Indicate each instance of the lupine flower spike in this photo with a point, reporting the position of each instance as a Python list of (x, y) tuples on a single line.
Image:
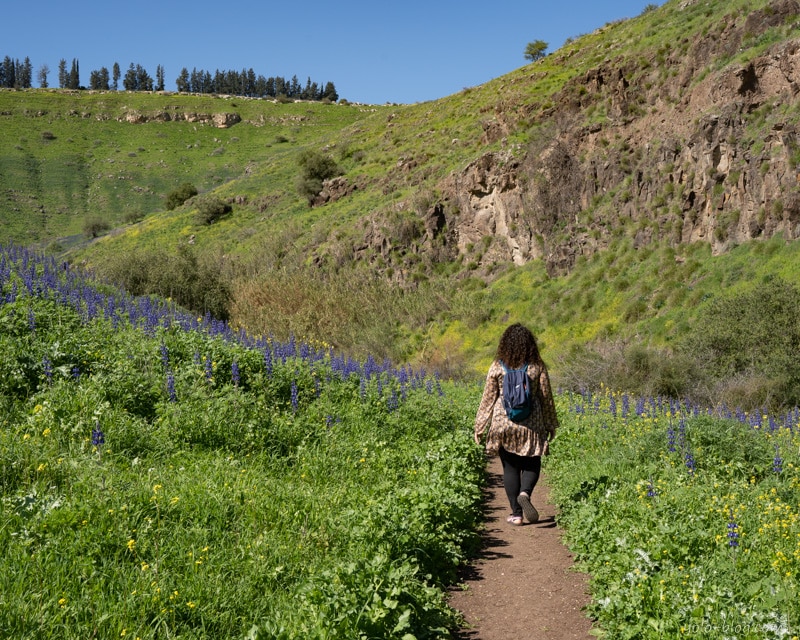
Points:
[(777, 461), (733, 533)]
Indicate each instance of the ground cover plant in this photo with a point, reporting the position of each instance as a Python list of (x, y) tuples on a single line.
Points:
[(166, 476), (687, 520)]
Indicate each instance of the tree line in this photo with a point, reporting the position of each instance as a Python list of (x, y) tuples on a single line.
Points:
[(19, 75)]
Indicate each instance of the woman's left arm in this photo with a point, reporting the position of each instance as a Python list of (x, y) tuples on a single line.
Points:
[(548, 404)]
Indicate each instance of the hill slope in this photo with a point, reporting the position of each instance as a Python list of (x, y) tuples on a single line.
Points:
[(605, 194)]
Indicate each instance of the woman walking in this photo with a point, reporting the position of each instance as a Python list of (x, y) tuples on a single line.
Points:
[(521, 442)]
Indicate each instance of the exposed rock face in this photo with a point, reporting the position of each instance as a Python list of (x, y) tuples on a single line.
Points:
[(333, 189), (219, 120), (679, 160)]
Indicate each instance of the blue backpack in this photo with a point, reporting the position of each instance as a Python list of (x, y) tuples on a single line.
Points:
[(517, 395)]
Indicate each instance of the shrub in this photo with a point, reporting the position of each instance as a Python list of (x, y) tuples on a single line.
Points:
[(94, 226), (177, 197), (211, 209), (314, 168), (751, 335)]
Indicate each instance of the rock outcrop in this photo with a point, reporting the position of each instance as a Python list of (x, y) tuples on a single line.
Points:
[(219, 120), (694, 158)]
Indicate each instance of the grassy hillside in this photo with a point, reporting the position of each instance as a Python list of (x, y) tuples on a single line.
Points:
[(367, 272), (71, 156)]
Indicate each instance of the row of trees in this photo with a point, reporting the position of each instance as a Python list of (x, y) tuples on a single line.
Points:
[(16, 74), (247, 83), (19, 75)]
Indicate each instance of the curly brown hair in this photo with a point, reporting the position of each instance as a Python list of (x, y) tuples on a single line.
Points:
[(518, 347)]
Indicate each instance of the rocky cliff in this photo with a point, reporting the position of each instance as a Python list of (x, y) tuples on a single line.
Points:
[(684, 153)]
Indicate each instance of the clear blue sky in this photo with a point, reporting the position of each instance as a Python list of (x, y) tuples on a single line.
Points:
[(372, 50)]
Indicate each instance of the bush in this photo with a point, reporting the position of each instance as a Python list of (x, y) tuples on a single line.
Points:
[(211, 209), (177, 197), (315, 167), (634, 368), (753, 335), (197, 284), (95, 226)]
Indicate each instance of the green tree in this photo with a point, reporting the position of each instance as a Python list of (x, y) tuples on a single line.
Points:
[(74, 76), (115, 76), (536, 50), (62, 74), (315, 167), (25, 75), (177, 197), (182, 81), (159, 78), (753, 335), (41, 76), (98, 80), (212, 208), (330, 92), (9, 72)]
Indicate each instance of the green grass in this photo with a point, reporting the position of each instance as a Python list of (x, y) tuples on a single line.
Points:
[(688, 525)]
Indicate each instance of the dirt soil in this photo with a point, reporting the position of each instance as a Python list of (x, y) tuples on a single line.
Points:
[(523, 583)]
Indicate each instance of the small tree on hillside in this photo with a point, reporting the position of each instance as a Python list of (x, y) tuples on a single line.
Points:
[(178, 196), (314, 168), (536, 50), (41, 76), (211, 208)]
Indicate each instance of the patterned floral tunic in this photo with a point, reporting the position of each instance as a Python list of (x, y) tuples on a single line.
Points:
[(529, 438)]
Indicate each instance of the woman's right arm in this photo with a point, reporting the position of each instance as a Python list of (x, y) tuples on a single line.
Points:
[(491, 391)]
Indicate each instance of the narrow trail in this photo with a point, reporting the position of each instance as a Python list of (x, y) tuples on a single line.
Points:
[(522, 584)]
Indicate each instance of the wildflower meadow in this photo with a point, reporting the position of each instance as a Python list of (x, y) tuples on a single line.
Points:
[(687, 520), (166, 476)]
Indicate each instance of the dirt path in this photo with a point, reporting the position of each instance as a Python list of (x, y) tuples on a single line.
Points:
[(522, 585)]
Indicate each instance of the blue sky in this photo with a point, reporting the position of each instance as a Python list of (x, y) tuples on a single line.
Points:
[(373, 51)]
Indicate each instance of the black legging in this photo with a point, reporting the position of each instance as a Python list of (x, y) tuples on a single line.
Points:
[(520, 473)]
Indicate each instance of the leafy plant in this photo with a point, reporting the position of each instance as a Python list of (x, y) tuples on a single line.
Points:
[(178, 196)]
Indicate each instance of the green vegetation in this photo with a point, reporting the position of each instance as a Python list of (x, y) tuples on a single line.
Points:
[(160, 480), (177, 197), (166, 477), (688, 525), (380, 270)]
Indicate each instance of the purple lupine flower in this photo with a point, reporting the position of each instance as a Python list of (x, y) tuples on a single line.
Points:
[(651, 490), (268, 360), (392, 402), (98, 437), (671, 438), (173, 397), (47, 365), (777, 461), (733, 531), (235, 373), (294, 397), (689, 460), (209, 367), (76, 372), (164, 355)]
